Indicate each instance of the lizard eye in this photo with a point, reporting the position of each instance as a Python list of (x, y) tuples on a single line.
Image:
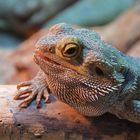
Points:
[(71, 50)]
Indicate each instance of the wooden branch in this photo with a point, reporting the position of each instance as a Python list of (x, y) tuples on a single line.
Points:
[(57, 121)]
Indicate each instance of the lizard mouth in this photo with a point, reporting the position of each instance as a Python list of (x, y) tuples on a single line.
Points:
[(44, 57), (52, 60)]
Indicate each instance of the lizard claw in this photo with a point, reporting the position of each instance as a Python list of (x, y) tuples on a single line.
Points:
[(22, 94), (43, 93), (31, 92), (26, 102), (46, 96)]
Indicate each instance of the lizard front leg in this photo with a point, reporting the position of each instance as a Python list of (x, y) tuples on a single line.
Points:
[(135, 109), (130, 111), (36, 89)]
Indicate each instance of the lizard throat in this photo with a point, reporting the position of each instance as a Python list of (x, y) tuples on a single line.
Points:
[(97, 88)]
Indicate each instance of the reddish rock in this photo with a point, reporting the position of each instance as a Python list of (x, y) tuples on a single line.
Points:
[(135, 50), (22, 60), (124, 32), (6, 66)]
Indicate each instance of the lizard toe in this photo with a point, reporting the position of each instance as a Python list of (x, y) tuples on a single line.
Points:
[(39, 98), (22, 94), (27, 101), (46, 96), (24, 84), (44, 93)]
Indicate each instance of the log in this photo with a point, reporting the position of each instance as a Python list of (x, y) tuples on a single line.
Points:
[(57, 121)]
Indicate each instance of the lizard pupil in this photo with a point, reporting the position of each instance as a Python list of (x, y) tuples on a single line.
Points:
[(70, 51)]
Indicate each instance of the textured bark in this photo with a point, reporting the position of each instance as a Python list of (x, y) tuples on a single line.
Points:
[(57, 121)]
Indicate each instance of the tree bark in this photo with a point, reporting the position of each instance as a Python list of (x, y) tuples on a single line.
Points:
[(58, 121)]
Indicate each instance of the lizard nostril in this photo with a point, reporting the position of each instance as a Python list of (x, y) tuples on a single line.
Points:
[(51, 49)]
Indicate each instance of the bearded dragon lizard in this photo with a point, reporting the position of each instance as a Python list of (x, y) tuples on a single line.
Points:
[(83, 71)]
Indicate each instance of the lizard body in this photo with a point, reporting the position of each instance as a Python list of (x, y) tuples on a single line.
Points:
[(80, 69)]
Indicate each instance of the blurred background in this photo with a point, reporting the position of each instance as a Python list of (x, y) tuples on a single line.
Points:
[(23, 22)]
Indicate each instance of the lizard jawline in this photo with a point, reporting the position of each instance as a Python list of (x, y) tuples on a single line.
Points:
[(41, 55), (51, 61)]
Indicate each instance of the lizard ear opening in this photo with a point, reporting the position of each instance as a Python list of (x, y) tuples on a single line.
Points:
[(98, 71)]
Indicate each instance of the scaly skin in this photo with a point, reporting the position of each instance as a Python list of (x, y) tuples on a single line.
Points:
[(85, 72)]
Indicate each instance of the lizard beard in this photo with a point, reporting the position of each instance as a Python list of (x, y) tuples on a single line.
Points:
[(82, 93)]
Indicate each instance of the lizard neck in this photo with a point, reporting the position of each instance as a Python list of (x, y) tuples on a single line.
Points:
[(132, 76)]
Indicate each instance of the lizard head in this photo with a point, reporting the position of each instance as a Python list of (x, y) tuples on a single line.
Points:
[(81, 69)]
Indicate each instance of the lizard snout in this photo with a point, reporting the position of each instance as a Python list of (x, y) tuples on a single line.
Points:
[(47, 48)]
